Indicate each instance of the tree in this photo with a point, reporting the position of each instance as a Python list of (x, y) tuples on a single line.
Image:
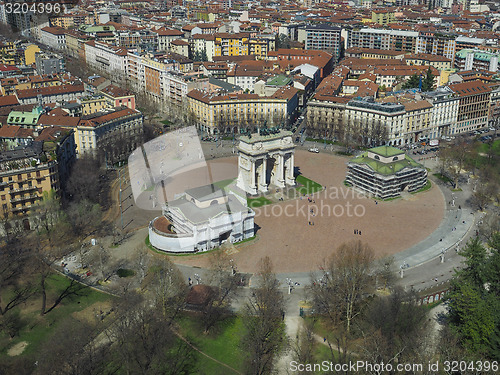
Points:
[(144, 344), (15, 287), (473, 304), (167, 288), (264, 335), (72, 349), (428, 81), (394, 329), (88, 181), (413, 82), (346, 277), (84, 217), (224, 282), (282, 41), (454, 158)]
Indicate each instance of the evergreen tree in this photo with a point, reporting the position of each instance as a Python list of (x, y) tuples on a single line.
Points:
[(412, 83), (474, 299), (428, 81)]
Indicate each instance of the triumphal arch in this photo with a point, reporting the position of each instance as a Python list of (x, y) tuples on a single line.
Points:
[(265, 158)]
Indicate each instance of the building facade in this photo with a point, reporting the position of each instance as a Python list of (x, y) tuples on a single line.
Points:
[(385, 172)]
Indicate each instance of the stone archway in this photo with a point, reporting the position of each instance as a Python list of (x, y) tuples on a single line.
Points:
[(265, 160)]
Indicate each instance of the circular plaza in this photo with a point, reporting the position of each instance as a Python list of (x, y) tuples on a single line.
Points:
[(299, 234)]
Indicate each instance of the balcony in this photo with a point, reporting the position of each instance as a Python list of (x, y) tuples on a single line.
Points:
[(24, 198), (24, 188)]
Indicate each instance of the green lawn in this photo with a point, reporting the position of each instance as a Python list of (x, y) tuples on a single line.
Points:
[(328, 141), (484, 147), (223, 344), (442, 177), (308, 186), (258, 202), (37, 328), (426, 187)]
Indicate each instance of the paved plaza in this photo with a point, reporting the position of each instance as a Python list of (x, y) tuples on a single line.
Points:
[(298, 240)]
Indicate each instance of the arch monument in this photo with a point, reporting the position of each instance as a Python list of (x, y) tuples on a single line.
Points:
[(265, 158)]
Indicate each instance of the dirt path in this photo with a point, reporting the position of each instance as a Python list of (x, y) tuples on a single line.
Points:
[(17, 349)]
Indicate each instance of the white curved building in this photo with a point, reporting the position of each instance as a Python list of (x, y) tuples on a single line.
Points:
[(202, 219)]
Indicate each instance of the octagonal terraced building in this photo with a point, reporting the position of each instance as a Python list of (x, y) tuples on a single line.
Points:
[(385, 172)]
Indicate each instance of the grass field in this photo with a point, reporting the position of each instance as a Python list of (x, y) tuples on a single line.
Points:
[(308, 186), (222, 344), (36, 328), (258, 202)]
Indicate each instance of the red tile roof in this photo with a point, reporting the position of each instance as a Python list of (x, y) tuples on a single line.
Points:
[(66, 121), (8, 100), (47, 91), (96, 121)]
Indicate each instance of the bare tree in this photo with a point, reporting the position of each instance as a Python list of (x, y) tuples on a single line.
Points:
[(345, 279), (73, 350), (224, 282), (394, 330), (264, 336), (167, 288), (144, 344), (15, 287), (454, 158)]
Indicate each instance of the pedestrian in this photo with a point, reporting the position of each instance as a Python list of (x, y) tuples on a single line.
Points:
[(360, 233), (354, 231), (459, 207), (324, 339)]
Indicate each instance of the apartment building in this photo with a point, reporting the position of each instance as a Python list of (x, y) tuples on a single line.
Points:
[(166, 36), (444, 112), (322, 37), (396, 40), (476, 59), (371, 53), (381, 123), (392, 76), (417, 120), (93, 104), (439, 44), (51, 94), (383, 16), (70, 20), (97, 131), (235, 112), (53, 37), (436, 61), (203, 45), (137, 38), (474, 105), (24, 177), (116, 97), (231, 44), (106, 58), (75, 43), (49, 63)]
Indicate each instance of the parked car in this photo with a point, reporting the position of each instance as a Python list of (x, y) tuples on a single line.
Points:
[(314, 149)]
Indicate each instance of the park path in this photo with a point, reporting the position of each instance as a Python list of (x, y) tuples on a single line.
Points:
[(293, 327)]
